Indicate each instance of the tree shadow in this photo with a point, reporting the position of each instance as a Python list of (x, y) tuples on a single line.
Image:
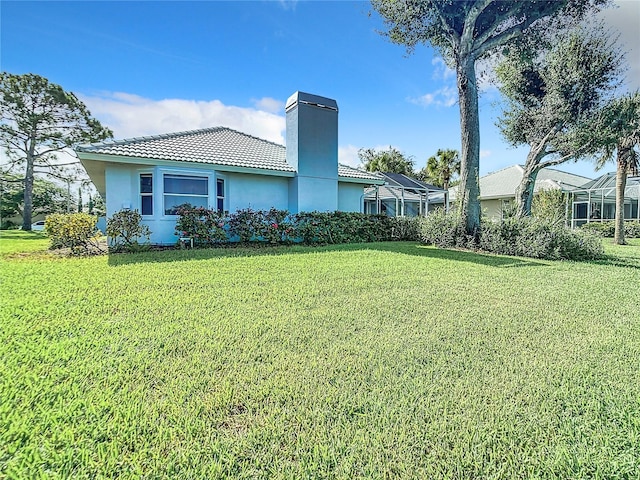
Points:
[(22, 235), (618, 261), (403, 248)]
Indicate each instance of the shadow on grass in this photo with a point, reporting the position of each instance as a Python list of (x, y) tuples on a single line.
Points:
[(404, 248), (618, 261), (21, 235)]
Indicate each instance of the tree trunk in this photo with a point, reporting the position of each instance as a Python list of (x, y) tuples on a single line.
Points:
[(524, 192), (28, 195), (469, 188), (621, 183)]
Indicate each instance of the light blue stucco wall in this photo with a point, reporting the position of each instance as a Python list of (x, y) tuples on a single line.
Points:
[(120, 193), (350, 197), (260, 192), (312, 149)]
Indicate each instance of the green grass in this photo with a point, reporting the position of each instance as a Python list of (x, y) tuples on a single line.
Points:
[(362, 361)]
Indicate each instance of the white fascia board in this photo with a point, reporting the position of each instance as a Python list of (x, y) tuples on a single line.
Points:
[(173, 163), (365, 181), (498, 197)]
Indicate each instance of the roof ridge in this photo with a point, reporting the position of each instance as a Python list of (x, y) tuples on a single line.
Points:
[(565, 172), (164, 136), (504, 168)]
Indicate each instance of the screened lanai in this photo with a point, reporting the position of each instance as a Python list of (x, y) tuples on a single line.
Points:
[(595, 201), (403, 196)]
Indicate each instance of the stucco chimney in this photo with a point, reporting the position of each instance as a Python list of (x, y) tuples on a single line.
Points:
[(312, 149)]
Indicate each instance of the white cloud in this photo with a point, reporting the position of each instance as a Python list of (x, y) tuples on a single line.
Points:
[(441, 70), (269, 104), (349, 155), (485, 153), (443, 97), (131, 115), (288, 4)]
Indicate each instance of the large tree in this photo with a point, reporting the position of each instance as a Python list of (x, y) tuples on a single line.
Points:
[(391, 160), (441, 168), (465, 31), (40, 119), (621, 127), (552, 98), (47, 197)]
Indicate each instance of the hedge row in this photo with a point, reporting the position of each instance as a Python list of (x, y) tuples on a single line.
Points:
[(526, 237), (607, 229), (208, 227)]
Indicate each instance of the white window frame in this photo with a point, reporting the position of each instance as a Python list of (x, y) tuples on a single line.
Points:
[(165, 174), (146, 194), (221, 178)]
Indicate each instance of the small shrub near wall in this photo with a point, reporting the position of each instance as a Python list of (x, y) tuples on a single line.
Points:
[(210, 228), (206, 227), (527, 237), (75, 231), (126, 231)]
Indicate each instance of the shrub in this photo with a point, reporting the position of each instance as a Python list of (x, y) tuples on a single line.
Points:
[(206, 227), (244, 225), (550, 205), (444, 229), (274, 226), (125, 230), (405, 228), (72, 230), (538, 238), (526, 237), (607, 229)]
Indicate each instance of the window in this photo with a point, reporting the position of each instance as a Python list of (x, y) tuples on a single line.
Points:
[(146, 194), (181, 189), (220, 195)]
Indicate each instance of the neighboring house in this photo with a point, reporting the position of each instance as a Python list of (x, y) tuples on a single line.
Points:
[(227, 170), (402, 196), (595, 201), (498, 189)]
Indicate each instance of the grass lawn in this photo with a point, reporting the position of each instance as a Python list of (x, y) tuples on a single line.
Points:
[(387, 360)]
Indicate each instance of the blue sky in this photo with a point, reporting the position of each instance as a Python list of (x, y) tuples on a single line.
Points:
[(156, 67)]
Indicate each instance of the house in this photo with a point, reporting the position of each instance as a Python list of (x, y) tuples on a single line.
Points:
[(228, 170), (402, 196), (498, 189), (595, 201)]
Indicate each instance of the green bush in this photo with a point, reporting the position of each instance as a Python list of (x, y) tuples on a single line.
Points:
[(206, 227), (539, 238), (527, 237), (76, 231), (551, 205), (125, 230), (444, 229), (607, 229), (274, 226)]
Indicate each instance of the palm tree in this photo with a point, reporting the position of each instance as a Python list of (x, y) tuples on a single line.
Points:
[(624, 130), (441, 168)]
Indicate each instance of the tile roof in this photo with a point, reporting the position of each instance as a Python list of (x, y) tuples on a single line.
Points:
[(215, 146), (351, 172)]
